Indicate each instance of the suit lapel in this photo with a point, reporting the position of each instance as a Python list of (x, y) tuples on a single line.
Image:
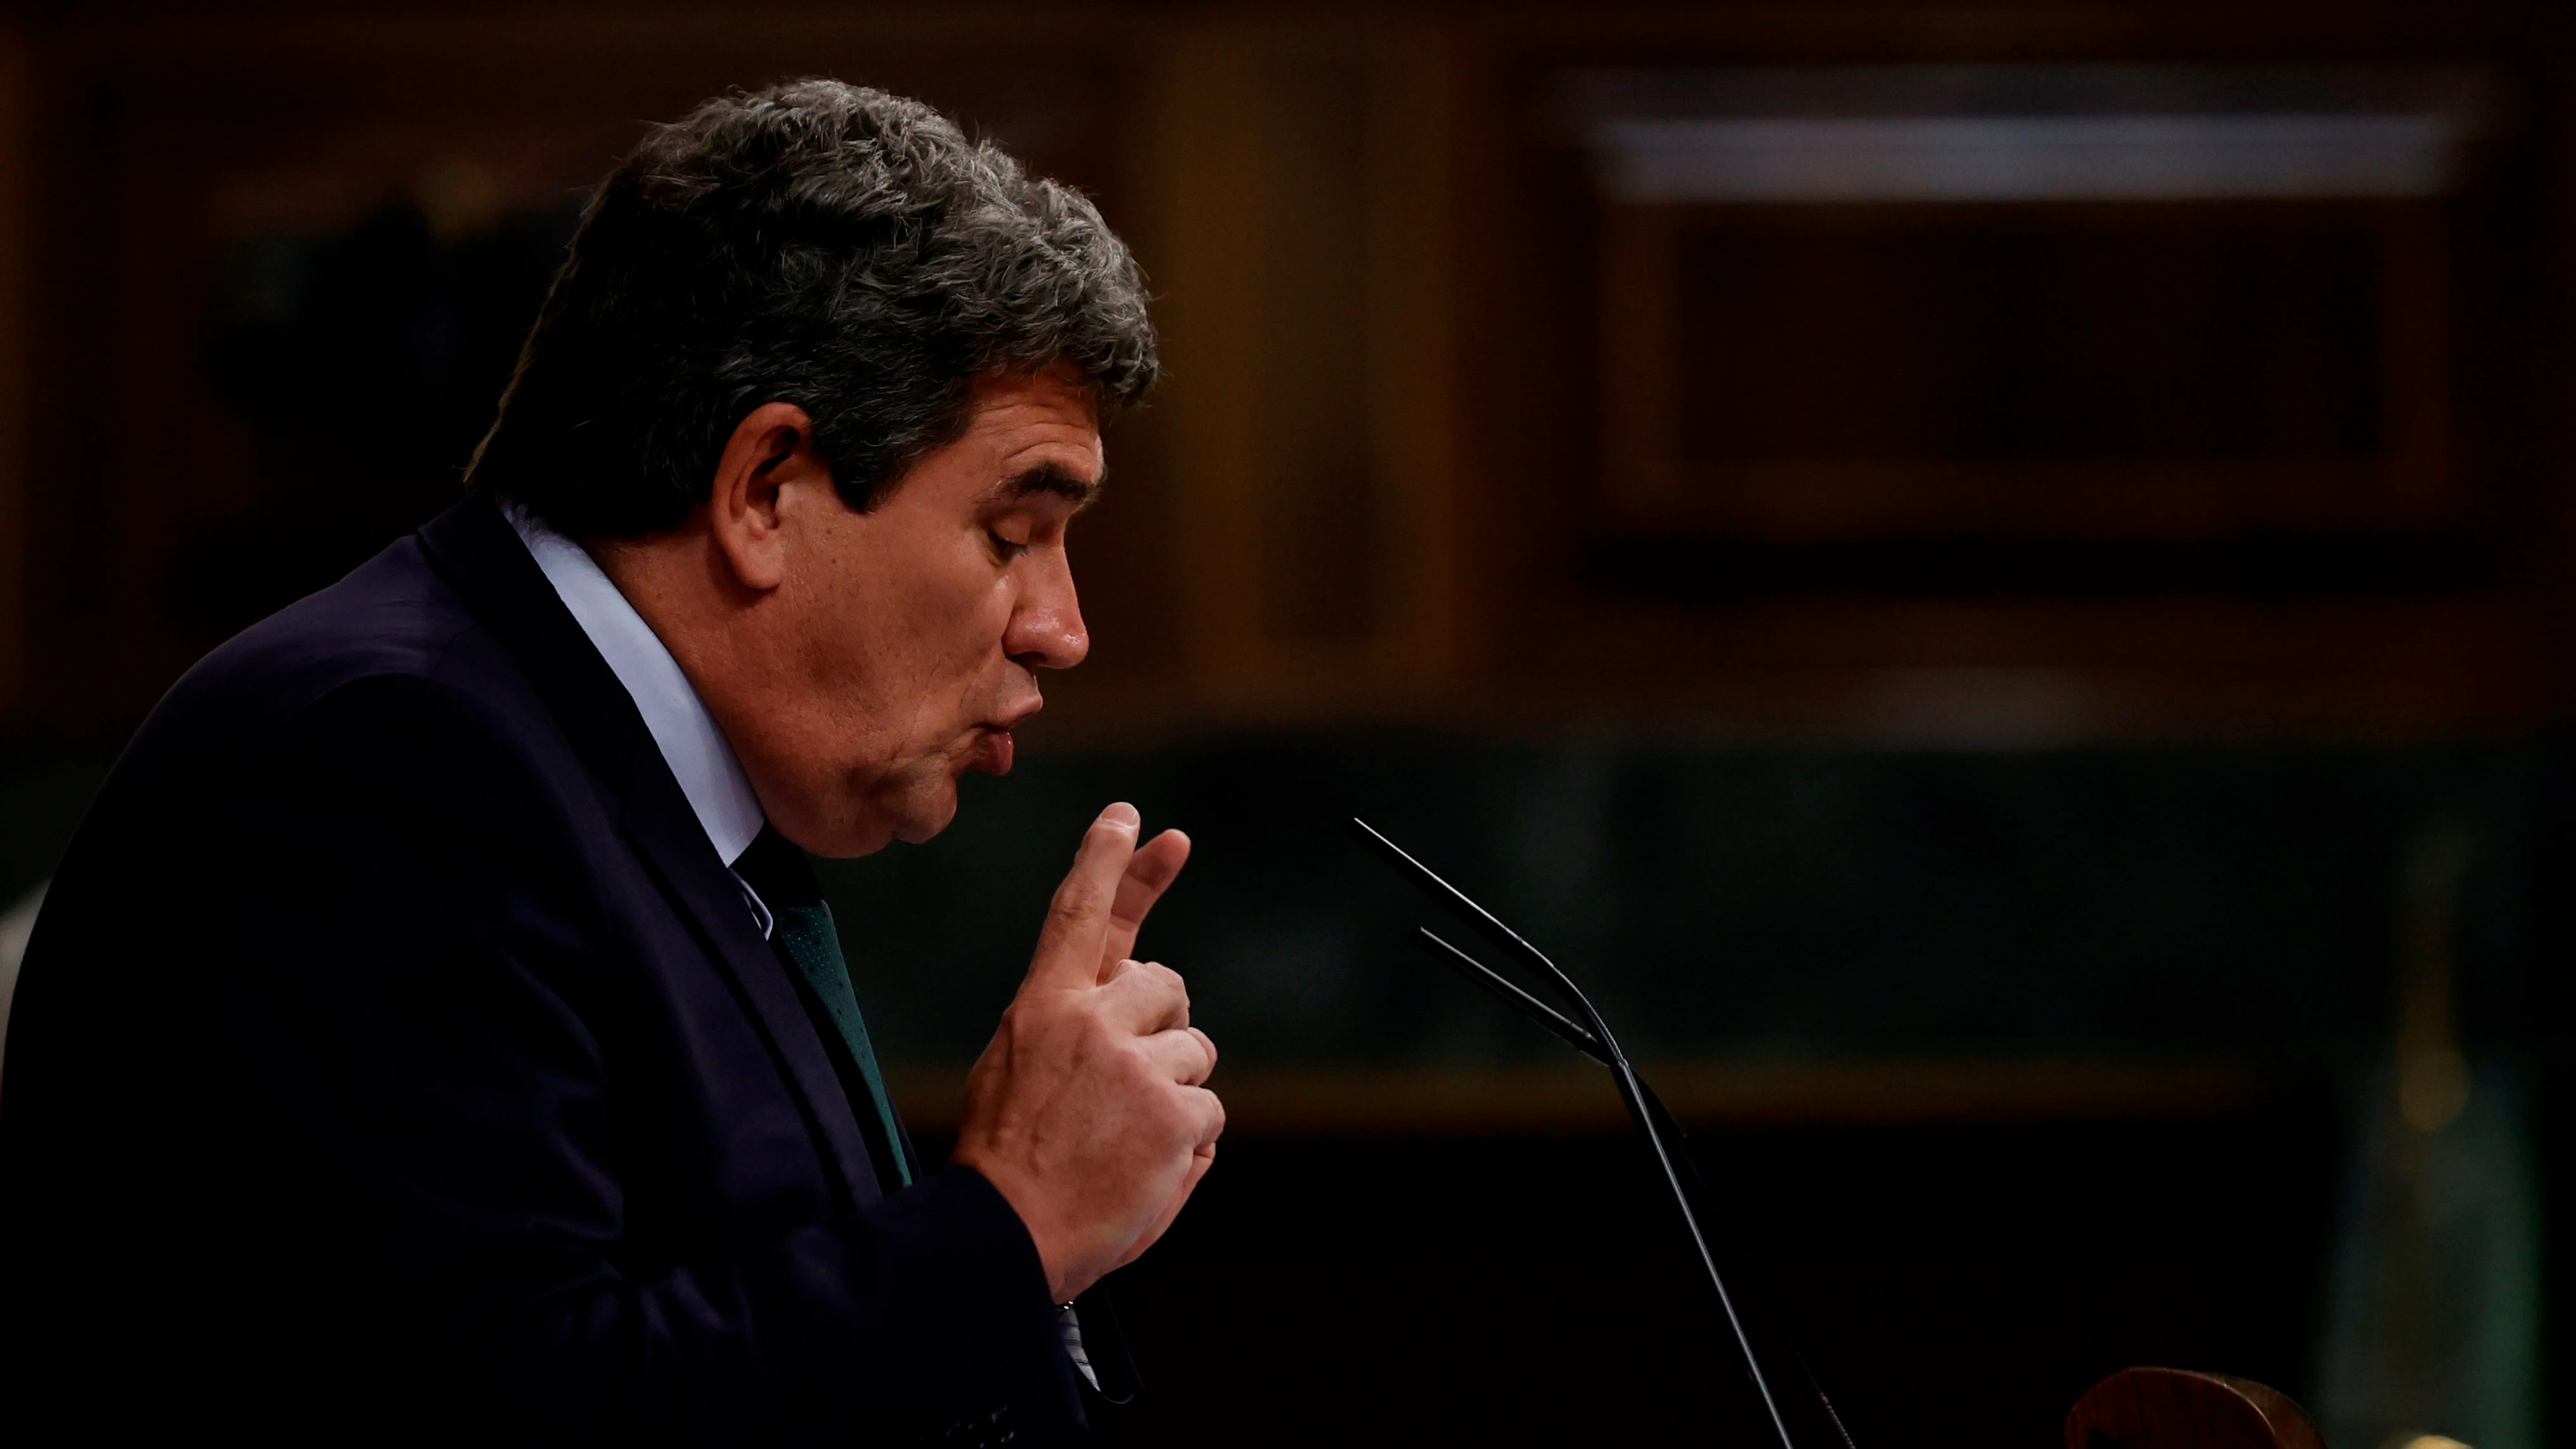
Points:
[(478, 551)]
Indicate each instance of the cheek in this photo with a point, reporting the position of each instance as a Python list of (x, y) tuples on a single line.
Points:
[(956, 623), (928, 643)]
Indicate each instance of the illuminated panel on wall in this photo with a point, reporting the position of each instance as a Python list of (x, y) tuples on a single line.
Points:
[(2116, 303), (2108, 133), (2028, 158)]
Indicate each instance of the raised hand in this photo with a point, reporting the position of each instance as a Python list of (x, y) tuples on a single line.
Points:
[(1088, 1109)]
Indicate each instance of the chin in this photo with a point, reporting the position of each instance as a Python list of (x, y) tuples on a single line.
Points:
[(843, 828), (911, 810), (847, 842), (926, 813)]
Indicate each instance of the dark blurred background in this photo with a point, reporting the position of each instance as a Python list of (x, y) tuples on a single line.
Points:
[(1996, 577)]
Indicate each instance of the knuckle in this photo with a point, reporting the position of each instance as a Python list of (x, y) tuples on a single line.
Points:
[(1210, 1118), (1166, 984), (1183, 1123), (1076, 897), (1128, 1056)]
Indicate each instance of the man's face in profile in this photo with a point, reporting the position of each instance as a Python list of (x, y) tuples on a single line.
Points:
[(908, 637)]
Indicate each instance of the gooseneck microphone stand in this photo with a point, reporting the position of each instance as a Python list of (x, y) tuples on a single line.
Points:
[(1591, 1036)]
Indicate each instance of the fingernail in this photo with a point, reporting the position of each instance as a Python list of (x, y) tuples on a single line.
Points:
[(1122, 813)]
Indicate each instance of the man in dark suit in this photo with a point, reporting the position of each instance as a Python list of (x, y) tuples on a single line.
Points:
[(435, 1029)]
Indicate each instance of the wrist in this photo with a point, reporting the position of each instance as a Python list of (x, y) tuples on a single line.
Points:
[(1047, 1237)]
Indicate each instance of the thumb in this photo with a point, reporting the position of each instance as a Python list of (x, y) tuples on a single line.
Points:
[(1077, 921)]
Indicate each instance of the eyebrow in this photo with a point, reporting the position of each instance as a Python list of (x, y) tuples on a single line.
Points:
[(1052, 478)]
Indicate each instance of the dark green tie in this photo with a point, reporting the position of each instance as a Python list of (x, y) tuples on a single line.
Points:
[(784, 879)]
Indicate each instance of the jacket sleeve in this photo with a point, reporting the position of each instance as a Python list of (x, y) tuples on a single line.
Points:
[(429, 1025)]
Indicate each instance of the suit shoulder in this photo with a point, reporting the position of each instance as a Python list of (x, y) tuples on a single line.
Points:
[(392, 653), (393, 618), (393, 615)]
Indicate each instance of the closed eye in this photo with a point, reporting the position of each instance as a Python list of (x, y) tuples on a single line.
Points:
[(1003, 548)]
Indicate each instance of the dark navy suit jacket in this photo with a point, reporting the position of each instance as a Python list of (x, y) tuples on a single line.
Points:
[(395, 1059)]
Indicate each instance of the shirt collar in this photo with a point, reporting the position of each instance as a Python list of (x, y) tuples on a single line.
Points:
[(709, 772)]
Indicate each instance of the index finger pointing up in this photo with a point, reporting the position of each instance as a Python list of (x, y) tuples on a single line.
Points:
[(1077, 921)]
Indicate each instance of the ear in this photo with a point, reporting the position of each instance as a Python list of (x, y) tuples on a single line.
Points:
[(767, 471)]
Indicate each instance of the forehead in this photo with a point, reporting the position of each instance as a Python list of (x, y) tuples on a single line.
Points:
[(1053, 406), (1040, 432)]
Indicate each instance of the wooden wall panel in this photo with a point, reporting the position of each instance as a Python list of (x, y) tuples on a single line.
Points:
[(1302, 216), (16, 221)]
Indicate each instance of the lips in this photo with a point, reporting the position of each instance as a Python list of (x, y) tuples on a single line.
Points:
[(993, 752), (993, 746)]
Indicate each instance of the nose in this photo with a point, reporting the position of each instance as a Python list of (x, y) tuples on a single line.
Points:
[(1046, 630)]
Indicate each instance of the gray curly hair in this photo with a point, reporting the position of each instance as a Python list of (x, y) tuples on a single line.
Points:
[(814, 243)]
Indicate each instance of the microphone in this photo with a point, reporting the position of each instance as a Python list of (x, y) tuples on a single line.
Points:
[(1591, 1036)]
